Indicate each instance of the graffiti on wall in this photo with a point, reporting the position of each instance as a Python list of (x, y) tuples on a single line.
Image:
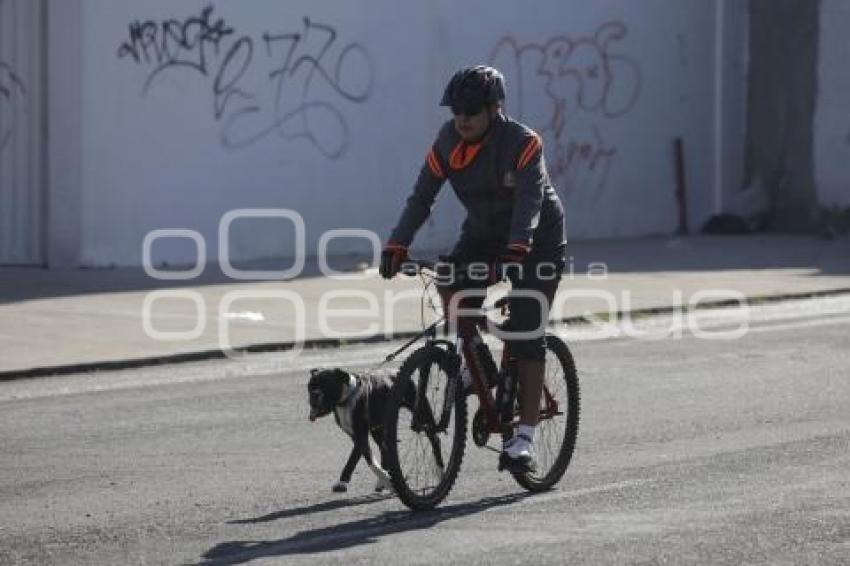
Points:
[(293, 84), (12, 99), (571, 89)]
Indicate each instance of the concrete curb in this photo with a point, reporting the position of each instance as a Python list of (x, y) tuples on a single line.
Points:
[(335, 343)]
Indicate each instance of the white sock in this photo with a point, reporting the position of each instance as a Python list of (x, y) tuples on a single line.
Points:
[(526, 430)]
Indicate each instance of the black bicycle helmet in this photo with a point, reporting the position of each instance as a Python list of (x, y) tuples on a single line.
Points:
[(474, 86)]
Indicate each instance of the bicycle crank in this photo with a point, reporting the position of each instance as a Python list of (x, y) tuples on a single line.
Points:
[(480, 430)]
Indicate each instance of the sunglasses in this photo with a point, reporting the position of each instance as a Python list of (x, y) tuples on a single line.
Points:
[(467, 111)]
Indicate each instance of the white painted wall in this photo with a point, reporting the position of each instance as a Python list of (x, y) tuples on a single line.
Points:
[(832, 114), (159, 157), (21, 129)]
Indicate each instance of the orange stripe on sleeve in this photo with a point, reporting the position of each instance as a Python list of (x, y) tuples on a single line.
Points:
[(434, 165), (531, 148)]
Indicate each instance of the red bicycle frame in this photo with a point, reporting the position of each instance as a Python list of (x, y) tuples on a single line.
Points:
[(467, 328)]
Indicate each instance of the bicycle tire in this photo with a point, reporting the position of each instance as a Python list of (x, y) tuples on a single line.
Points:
[(543, 480), (411, 372)]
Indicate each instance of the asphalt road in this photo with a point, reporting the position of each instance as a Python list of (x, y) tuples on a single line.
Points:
[(690, 451)]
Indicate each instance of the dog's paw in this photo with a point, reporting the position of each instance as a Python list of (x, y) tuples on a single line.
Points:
[(340, 487)]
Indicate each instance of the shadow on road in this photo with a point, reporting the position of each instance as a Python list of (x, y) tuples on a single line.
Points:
[(346, 535), (316, 508)]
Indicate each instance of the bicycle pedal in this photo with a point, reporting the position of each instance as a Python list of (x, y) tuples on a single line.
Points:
[(514, 466)]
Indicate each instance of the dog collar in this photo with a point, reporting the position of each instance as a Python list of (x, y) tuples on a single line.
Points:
[(353, 389)]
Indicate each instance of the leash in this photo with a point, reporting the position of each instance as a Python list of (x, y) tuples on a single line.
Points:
[(427, 283)]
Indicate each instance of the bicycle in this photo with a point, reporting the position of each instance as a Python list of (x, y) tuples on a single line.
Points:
[(429, 403)]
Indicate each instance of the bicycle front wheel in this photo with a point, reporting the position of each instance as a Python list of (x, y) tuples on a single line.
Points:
[(557, 431), (425, 428)]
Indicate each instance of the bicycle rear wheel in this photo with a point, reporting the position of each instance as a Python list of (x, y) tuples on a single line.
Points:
[(557, 431), (425, 428)]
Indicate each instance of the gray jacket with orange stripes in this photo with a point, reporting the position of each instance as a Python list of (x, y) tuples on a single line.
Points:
[(501, 181)]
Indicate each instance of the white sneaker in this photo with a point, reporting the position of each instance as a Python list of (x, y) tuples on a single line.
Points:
[(518, 454)]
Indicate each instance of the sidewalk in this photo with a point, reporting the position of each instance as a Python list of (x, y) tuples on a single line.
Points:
[(61, 321)]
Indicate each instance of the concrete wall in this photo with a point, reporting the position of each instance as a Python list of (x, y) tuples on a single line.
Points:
[(782, 96), (730, 108), (65, 133), (167, 116), (832, 116)]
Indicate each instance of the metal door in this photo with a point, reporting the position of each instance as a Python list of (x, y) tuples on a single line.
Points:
[(21, 132)]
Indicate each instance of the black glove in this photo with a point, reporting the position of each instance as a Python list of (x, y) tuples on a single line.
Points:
[(392, 258)]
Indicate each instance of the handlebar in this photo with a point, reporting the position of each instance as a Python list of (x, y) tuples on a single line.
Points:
[(416, 266), (494, 272)]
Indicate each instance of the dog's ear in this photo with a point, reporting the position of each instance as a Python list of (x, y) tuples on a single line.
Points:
[(315, 378)]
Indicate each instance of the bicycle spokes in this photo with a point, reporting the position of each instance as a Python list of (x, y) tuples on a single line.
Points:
[(550, 408), (424, 417)]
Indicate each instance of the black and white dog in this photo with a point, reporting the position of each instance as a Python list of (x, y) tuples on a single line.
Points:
[(358, 402)]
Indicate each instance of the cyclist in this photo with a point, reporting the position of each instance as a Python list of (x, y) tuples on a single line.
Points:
[(496, 168)]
